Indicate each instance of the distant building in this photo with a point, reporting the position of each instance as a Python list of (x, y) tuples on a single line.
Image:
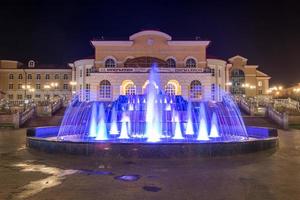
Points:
[(292, 90), (246, 79), (122, 67), (33, 81)]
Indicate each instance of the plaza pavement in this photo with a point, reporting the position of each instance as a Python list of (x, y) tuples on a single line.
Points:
[(28, 174)]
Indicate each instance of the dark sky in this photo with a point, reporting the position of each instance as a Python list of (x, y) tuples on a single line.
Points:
[(57, 32)]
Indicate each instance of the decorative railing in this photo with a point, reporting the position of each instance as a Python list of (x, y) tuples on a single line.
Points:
[(26, 115), (288, 103), (16, 119), (281, 119), (245, 106), (49, 108)]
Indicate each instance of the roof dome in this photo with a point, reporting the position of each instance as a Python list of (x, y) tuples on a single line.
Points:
[(150, 32)]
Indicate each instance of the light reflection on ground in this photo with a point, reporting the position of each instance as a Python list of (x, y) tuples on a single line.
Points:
[(34, 187)]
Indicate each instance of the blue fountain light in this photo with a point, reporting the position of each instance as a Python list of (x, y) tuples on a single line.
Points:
[(153, 117)]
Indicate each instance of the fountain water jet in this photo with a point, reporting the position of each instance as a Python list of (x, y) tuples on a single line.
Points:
[(124, 127), (101, 127), (214, 132), (189, 127), (202, 133), (114, 126)]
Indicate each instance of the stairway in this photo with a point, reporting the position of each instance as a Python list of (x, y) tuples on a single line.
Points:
[(259, 121), (54, 120)]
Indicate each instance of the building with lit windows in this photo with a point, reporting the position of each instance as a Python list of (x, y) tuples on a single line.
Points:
[(122, 68), (21, 82)]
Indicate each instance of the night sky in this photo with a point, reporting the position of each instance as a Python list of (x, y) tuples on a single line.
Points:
[(52, 32)]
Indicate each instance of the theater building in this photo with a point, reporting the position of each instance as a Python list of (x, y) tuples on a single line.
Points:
[(122, 68)]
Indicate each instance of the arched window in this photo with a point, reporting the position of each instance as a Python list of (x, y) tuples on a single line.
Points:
[(105, 89), (130, 89), (171, 62), (170, 89), (110, 63), (195, 89), (237, 79), (190, 62)]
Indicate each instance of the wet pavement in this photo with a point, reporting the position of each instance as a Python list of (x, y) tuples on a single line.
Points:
[(28, 174)]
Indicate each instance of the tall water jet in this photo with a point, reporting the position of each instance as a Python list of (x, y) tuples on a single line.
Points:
[(124, 127), (153, 129), (202, 133), (93, 121), (189, 126), (131, 108), (214, 131), (101, 128), (177, 131), (113, 126)]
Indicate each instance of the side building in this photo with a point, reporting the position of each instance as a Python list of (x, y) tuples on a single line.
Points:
[(19, 82)]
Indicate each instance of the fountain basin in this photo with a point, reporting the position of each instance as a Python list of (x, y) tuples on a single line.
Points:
[(44, 139)]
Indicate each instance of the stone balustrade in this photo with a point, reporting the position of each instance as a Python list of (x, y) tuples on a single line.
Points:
[(50, 108), (16, 119), (282, 119)]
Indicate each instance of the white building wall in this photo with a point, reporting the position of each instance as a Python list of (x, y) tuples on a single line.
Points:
[(220, 76)]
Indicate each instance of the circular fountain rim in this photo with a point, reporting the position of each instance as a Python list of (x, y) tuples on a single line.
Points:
[(40, 141)]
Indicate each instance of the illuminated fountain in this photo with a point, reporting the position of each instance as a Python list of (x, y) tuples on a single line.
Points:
[(153, 118), (152, 125)]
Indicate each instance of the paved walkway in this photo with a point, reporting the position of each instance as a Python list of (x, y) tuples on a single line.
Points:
[(28, 174)]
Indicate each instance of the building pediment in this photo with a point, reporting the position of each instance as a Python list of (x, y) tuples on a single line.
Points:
[(150, 33), (232, 59)]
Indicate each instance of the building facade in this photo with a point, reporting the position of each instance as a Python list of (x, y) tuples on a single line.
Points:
[(122, 68), (246, 79), (21, 82)]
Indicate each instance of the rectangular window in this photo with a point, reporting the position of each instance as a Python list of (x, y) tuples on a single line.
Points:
[(213, 91), (38, 77), (19, 97), (19, 86), (37, 96), (29, 96), (20, 76), (29, 76), (10, 96), (212, 72), (260, 92), (38, 86), (80, 73), (80, 91), (65, 87), (65, 76), (11, 76), (87, 92), (88, 72), (47, 76), (56, 76), (10, 86), (219, 73)]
